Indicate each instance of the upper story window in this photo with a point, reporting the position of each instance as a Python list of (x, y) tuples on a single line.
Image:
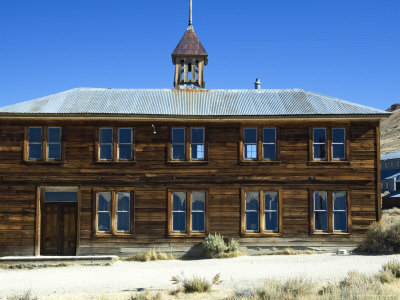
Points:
[(262, 212), (114, 212), (187, 212), (330, 212), (259, 144), (43, 144), (115, 145), (329, 144), (187, 144)]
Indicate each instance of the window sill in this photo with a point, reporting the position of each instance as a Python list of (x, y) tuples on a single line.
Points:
[(261, 234), (115, 235), (187, 162), (326, 162), (187, 235), (107, 162), (330, 233), (261, 162), (42, 162)]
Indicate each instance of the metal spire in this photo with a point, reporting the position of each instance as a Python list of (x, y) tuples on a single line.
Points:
[(190, 27)]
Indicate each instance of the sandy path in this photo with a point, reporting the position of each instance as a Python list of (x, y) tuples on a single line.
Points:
[(237, 272)]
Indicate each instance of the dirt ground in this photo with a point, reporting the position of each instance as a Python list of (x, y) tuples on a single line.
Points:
[(240, 272)]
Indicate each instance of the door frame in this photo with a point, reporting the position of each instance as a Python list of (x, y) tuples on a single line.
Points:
[(40, 190)]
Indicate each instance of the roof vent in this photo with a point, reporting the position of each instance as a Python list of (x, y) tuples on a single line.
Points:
[(257, 84)]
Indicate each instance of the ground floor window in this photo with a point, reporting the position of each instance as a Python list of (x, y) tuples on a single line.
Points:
[(261, 211), (113, 211), (330, 212), (187, 212)]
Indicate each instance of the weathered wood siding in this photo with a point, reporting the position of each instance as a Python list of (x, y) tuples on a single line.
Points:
[(151, 177)]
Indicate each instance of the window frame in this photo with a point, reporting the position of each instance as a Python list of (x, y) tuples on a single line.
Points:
[(113, 212), (115, 146), (44, 144), (261, 211), (189, 232), (259, 145), (330, 211), (329, 144), (188, 143)]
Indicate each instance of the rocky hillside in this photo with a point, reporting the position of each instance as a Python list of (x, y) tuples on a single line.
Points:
[(390, 131)]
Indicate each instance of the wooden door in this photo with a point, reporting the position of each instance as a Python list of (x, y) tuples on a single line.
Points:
[(58, 236)]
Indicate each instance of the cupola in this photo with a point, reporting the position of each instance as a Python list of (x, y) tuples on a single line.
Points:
[(189, 58)]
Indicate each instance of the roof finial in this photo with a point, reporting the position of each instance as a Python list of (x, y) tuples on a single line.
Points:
[(190, 27)]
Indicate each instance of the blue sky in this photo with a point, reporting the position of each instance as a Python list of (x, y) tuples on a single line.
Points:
[(348, 49)]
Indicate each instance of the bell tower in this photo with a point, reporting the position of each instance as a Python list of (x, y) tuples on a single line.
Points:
[(189, 58)]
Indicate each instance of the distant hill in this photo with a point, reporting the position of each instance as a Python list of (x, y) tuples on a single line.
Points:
[(390, 131)]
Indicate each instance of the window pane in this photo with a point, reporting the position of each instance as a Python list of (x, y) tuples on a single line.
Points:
[(103, 211), (35, 135), (269, 135), (54, 151), (35, 151), (271, 221), (250, 151), (320, 201), (54, 135), (60, 197), (252, 221), (125, 152), (179, 201), (197, 135), (269, 151), (104, 201), (106, 135), (198, 221), (338, 151), (125, 135), (197, 151), (252, 201), (123, 201), (105, 151), (178, 135), (179, 221), (319, 135), (271, 200), (123, 221), (250, 135), (178, 152), (198, 201), (321, 221), (340, 221), (320, 151), (104, 222), (338, 135), (339, 201)]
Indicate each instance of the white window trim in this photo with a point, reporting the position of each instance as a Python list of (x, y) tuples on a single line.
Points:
[(250, 144), (318, 143), (321, 210)]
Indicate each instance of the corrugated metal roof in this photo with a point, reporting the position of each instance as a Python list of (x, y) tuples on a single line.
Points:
[(282, 102), (391, 155)]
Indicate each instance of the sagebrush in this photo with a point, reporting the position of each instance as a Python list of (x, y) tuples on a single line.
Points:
[(150, 255), (195, 284), (214, 246)]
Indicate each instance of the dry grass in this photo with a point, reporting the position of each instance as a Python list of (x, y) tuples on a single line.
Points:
[(195, 284), (288, 251), (150, 255), (27, 295)]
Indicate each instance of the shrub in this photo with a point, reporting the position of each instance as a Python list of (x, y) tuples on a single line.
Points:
[(213, 245), (27, 295), (233, 245), (150, 255), (196, 284), (146, 296), (289, 289), (386, 276), (383, 236)]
